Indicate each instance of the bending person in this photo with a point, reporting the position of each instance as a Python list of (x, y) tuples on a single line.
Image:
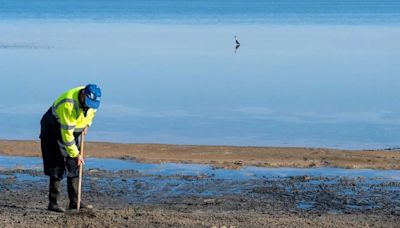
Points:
[(69, 117)]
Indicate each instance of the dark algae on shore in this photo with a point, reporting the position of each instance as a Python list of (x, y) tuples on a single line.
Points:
[(134, 199)]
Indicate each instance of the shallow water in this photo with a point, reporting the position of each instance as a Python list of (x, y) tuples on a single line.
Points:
[(308, 73), (172, 169)]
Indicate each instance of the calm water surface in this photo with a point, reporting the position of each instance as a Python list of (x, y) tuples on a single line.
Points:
[(308, 73)]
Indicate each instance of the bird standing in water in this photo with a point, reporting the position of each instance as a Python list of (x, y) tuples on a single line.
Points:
[(237, 41), (237, 44)]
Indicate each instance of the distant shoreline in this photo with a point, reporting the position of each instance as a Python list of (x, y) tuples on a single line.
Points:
[(225, 156)]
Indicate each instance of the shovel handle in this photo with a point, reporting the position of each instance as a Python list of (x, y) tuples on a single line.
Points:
[(78, 205)]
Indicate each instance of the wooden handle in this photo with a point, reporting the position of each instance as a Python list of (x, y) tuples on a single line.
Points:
[(78, 205)]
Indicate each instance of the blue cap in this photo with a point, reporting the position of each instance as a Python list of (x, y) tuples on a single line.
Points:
[(92, 96)]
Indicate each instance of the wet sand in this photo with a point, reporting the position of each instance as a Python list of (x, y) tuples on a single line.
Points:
[(225, 156), (128, 198), (131, 199)]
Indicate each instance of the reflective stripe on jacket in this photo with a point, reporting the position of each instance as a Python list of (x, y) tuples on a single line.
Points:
[(71, 118)]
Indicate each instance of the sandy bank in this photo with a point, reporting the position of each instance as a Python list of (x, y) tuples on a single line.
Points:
[(225, 156)]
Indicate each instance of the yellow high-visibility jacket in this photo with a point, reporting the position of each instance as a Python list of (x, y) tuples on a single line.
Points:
[(71, 118)]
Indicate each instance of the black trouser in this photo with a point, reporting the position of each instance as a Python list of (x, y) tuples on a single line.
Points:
[(55, 164)]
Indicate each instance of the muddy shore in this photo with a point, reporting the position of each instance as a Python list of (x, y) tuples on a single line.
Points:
[(131, 198), (225, 156)]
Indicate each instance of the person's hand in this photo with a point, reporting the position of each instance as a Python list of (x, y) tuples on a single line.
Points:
[(84, 132), (79, 160)]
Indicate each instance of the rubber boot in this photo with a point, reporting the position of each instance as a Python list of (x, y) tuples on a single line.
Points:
[(54, 195), (72, 185)]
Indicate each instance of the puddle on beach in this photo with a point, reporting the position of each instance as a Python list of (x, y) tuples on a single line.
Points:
[(310, 189), (170, 169)]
